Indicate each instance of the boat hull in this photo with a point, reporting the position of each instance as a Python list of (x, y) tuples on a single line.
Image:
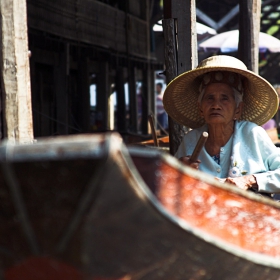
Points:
[(93, 209)]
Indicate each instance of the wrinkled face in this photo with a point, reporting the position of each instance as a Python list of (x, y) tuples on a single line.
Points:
[(218, 104)]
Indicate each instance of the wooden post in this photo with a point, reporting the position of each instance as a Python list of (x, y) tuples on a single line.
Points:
[(61, 74), (146, 94), (133, 113), (249, 28), (103, 93), (179, 15), (15, 74), (121, 106), (83, 89)]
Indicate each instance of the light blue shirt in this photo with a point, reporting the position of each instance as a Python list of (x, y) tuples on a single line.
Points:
[(249, 151)]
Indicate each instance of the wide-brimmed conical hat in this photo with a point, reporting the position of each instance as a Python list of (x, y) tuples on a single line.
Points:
[(181, 95)]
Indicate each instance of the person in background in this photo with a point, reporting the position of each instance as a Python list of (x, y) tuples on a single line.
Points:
[(231, 103), (270, 124), (162, 117)]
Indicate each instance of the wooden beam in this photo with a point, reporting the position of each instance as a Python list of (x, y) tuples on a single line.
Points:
[(231, 14), (206, 19), (249, 28), (15, 75), (221, 23), (180, 51)]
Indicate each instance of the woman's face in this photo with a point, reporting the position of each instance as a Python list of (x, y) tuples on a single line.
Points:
[(218, 105)]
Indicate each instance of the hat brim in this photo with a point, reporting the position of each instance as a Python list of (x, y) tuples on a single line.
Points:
[(181, 96)]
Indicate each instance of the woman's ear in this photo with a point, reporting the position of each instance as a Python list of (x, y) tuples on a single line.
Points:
[(238, 110)]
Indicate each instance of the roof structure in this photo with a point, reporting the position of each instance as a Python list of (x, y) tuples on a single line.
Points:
[(270, 23), (224, 16)]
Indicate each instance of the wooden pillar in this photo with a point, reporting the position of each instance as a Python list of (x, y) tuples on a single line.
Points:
[(121, 106), (84, 93), (61, 74), (146, 101), (179, 15), (147, 87), (102, 95), (249, 28), (133, 109), (15, 75)]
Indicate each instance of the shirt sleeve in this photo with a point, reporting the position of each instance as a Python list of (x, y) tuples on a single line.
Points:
[(188, 144), (269, 180)]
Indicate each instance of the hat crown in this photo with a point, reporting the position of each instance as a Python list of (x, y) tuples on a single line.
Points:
[(222, 61)]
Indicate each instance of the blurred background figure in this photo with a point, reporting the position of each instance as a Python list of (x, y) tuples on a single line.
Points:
[(162, 118), (269, 124)]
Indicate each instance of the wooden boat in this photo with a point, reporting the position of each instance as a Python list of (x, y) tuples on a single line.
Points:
[(162, 142), (87, 207)]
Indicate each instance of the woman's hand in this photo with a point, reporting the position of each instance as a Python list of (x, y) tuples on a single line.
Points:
[(244, 182), (186, 160)]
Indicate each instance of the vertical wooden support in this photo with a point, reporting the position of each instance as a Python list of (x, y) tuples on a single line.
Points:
[(102, 95), (84, 93), (61, 74), (180, 50), (249, 28), (146, 101), (147, 87), (15, 76), (153, 94), (133, 109), (185, 12), (121, 106)]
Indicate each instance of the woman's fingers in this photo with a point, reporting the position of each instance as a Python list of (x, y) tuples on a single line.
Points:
[(186, 160)]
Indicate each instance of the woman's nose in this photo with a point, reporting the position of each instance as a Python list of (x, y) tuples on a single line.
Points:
[(216, 104)]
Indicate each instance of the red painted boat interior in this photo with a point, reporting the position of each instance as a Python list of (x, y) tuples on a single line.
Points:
[(231, 217)]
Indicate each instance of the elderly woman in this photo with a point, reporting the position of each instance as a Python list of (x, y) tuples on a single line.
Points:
[(229, 102)]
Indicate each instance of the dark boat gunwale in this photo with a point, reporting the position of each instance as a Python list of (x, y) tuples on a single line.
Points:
[(111, 148)]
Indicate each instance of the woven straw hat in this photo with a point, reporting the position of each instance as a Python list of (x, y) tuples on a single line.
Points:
[(181, 94)]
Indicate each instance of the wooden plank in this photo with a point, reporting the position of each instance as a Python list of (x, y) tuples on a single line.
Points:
[(90, 22), (15, 76), (249, 28)]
